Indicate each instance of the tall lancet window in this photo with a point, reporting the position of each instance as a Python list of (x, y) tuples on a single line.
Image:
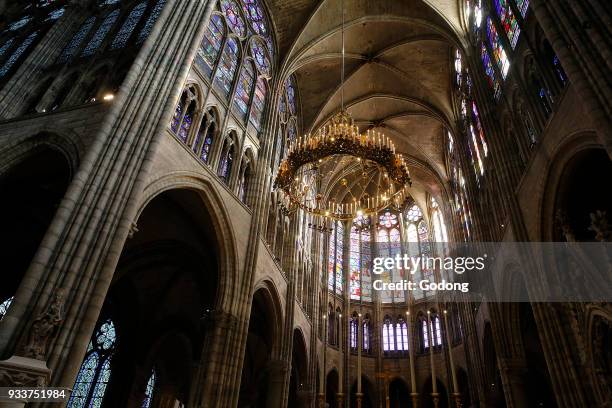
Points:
[(149, 390), (336, 246), (360, 260), (389, 245), (95, 372)]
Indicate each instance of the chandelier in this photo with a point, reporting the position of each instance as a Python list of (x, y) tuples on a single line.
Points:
[(374, 176), (370, 155)]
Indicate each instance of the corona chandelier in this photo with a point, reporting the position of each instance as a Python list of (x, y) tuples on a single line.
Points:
[(374, 176)]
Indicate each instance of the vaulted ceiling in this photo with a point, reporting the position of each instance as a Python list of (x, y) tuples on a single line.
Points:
[(398, 70)]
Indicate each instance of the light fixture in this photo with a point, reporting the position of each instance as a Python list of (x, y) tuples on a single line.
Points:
[(109, 97)]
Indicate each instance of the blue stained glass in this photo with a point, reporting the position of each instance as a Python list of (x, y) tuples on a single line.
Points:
[(207, 144), (183, 133), (261, 59), (100, 34), (19, 23), (211, 43), (148, 25), (243, 90), (488, 67), (556, 63), (84, 380), (227, 68), (339, 257), (4, 306), (226, 164), (128, 26), (259, 102), (6, 46), (108, 2), (101, 384), (76, 40), (232, 13), (499, 54), (106, 336), (254, 12), (523, 6), (95, 370), (146, 403), (289, 86), (55, 14), (508, 21), (18, 53), (291, 132)]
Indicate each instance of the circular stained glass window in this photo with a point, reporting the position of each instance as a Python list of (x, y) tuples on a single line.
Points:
[(260, 56), (234, 19)]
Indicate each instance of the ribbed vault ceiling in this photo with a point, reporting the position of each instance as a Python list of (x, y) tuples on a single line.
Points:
[(398, 70)]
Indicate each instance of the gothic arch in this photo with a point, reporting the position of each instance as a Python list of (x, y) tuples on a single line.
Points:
[(223, 228), (567, 149)]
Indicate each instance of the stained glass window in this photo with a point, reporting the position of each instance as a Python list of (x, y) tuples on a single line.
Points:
[(146, 403), (480, 130), (474, 149), (558, 68), (388, 237), (55, 14), (414, 213), (401, 335), (5, 47), (477, 16), (440, 233), (77, 40), (243, 90), (490, 72), (261, 59), (437, 332), (227, 68), (354, 269), (388, 340), (186, 122), (458, 67), (290, 87), (101, 33), (225, 166), (128, 26), (95, 372), (255, 14), (339, 257), (366, 334), (211, 43), (4, 306), (499, 54), (148, 25), (353, 332), (523, 6), (206, 146), (360, 275), (234, 19), (259, 102), (425, 333), (18, 53), (22, 22), (508, 21)]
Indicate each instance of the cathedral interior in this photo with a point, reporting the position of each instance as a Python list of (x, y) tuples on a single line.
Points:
[(285, 145)]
